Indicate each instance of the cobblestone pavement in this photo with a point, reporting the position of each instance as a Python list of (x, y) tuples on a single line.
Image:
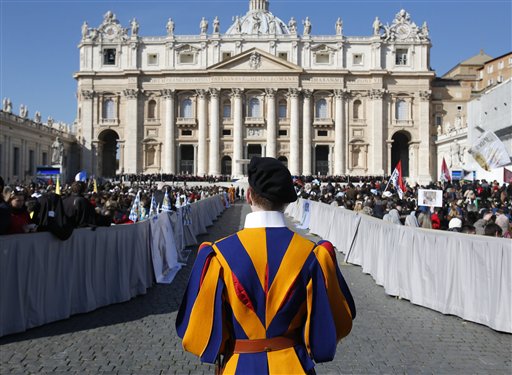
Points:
[(137, 337)]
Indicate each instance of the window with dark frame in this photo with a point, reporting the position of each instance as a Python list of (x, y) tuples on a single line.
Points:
[(322, 133), (186, 132), (226, 131), (109, 56), (283, 133)]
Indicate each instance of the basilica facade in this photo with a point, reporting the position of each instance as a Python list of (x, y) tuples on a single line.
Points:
[(205, 104)]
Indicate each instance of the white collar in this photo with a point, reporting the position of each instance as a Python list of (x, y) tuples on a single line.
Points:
[(265, 219)]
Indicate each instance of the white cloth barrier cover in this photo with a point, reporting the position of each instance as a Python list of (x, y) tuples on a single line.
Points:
[(465, 275), (43, 279)]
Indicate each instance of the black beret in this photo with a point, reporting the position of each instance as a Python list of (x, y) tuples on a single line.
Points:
[(271, 179)]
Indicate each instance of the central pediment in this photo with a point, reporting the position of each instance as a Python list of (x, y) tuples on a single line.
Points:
[(255, 61)]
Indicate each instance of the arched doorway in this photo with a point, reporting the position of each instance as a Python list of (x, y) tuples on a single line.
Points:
[(225, 166), (322, 160), (187, 159), (284, 160), (253, 150), (400, 152), (109, 153)]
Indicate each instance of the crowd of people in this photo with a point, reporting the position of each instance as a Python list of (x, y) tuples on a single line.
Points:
[(479, 207), (38, 207), (469, 207)]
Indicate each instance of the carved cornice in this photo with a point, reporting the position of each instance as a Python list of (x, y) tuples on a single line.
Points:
[(167, 93), (87, 94), (377, 94), (131, 93), (237, 92), (425, 95), (307, 93), (271, 93), (214, 93), (294, 92), (341, 93), (202, 93)]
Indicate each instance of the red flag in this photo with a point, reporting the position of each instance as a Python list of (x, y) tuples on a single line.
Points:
[(445, 172), (398, 182), (507, 176)]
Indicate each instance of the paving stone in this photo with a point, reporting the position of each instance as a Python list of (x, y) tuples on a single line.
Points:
[(389, 336)]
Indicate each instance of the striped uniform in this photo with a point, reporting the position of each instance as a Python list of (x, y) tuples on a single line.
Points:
[(265, 282)]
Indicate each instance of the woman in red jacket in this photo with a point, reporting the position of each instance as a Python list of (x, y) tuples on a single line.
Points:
[(20, 219)]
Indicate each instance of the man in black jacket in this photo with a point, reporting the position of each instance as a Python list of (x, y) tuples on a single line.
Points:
[(5, 214), (77, 208)]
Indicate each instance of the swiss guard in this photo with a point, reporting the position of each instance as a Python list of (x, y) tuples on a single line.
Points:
[(265, 300)]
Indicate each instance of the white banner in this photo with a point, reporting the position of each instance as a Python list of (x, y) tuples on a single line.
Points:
[(489, 152), (430, 198), (163, 249), (304, 223)]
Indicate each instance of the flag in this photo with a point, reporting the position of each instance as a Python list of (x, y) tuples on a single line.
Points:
[(57, 186), (95, 188), (81, 176), (166, 203), (135, 210), (507, 176), (489, 152), (153, 209), (445, 173), (396, 178)]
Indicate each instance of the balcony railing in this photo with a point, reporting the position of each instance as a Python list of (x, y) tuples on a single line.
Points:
[(255, 121), (109, 121), (186, 122), (321, 122)]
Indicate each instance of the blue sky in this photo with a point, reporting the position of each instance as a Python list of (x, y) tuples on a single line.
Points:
[(39, 38)]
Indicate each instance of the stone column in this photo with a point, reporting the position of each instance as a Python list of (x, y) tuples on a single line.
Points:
[(377, 137), (214, 160), (194, 169), (121, 157), (339, 133), (424, 173), (238, 136), (306, 133), (271, 123), (86, 97), (170, 129), (202, 142), (131, 131), (294, 162), (389, 144)]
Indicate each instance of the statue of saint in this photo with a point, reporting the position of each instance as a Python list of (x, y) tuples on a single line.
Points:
[(377, 25), (203, 25), (49, 122), (57, 151), (8, 108), (292, 25), (37, 117), (256, 25), (424, 30), (216, 25), (439, 130), (4, 105), (108, 17), (135, 27), (85, 30), (170, 27), (272, 26), (455, 155), (307, 26), (339, 26), (238, 25), (23, 111)]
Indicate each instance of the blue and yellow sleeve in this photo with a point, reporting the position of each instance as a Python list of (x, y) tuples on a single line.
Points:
[(330, 306), (200, 317)]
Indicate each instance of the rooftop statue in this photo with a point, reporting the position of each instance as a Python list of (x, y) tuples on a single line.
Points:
[(37, 117), (7, 105), (135, 27), (377, 25), (339, 26), (292, 25), (170, 27), (203, 26), (307, 26), (216, 25), (57, 151), (85, 30)]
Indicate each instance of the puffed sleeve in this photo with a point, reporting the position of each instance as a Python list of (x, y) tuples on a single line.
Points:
[(200, 317), (330, 306)]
